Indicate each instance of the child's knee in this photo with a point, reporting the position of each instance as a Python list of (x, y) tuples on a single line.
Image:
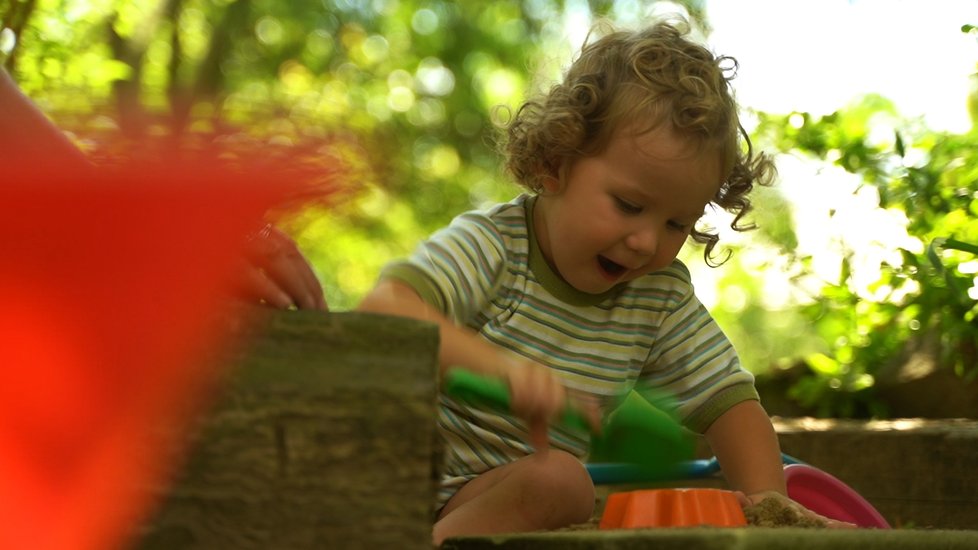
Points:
[(562, 477)]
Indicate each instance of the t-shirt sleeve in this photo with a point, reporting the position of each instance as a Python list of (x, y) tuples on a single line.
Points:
[(695, 366), (457, 268)]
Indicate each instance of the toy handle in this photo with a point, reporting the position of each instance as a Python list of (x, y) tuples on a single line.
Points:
[(476, 389)]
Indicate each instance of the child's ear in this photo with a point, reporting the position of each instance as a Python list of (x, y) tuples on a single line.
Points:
[(551, 184)]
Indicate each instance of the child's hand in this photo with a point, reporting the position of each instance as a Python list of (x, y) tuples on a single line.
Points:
[(537, 396), (793, 507)]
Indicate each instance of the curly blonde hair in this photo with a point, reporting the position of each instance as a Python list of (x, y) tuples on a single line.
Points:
[(656, 75)]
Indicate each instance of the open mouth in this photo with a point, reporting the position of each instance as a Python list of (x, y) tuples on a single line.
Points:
[(610, 268)]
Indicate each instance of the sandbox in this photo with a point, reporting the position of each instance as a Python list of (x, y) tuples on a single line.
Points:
[(324, 437)]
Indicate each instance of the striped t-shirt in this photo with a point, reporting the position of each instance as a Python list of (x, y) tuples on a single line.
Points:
[(485, 271)]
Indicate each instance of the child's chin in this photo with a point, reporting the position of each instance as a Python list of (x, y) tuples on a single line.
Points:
[(597, 288)]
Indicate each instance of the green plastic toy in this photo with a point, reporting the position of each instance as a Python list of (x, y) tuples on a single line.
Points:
[(637, 432)]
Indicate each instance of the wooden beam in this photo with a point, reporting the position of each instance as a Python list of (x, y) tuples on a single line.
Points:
[(324, 437)]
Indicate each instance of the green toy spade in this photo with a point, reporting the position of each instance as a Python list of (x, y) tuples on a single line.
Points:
[(636, 433)]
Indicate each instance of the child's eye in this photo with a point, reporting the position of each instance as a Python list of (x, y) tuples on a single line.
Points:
[(679, 226), (627, 206)]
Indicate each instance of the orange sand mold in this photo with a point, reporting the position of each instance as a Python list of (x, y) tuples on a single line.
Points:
[(672, 508)]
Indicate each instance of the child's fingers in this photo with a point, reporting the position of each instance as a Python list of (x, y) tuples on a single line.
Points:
[(538, 397), (836, 524), (540, 437), (743, 499), (829, 522), (534, 392), (588, 407), (553, 397)]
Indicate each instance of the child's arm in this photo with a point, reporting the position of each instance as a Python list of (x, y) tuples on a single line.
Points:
[(536, 393), (746, 445), (457, 347)]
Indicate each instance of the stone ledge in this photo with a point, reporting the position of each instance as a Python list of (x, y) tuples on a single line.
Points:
[(705, 538), (917, 473)]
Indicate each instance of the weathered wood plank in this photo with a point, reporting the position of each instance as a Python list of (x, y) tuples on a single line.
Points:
[(324, 437)]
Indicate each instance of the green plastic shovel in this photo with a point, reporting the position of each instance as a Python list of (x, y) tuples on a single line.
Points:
[(636, 433)]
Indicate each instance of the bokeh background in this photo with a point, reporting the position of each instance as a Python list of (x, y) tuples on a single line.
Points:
[(861, 273)]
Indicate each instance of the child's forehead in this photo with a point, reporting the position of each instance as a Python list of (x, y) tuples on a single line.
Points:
[(663, 142), (645, 160)]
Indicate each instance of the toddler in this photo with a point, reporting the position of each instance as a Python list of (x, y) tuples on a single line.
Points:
[(572, 293)]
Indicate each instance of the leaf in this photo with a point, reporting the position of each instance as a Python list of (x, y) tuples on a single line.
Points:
[(823, 364)]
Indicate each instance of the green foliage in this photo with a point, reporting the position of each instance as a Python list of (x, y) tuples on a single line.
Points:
[(923, 300), (397, 96), (402, 92)]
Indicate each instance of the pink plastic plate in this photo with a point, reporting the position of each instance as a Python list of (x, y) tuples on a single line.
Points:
[(826, 495)]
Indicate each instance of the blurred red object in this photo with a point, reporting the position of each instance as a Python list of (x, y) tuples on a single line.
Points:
[(114, 284), (827, 495)]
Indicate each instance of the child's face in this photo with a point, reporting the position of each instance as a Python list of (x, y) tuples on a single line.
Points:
[(625, 212)]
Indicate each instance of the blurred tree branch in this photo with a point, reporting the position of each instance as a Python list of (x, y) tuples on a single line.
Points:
[(15, 18)]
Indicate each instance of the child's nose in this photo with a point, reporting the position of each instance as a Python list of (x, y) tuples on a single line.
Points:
[(644, 240)]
